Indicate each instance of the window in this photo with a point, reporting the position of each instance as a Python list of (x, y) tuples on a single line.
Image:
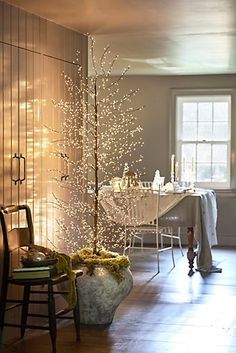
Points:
[(203, 139)]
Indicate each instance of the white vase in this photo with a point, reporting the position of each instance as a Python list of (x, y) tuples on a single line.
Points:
[(100, 294)]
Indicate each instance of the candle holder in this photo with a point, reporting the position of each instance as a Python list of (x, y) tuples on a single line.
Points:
[(172, 178), (175, 186)]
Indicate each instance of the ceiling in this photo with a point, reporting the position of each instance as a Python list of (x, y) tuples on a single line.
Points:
[(154, 37)]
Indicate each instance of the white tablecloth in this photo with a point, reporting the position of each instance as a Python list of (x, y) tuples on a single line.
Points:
[(197, 210)]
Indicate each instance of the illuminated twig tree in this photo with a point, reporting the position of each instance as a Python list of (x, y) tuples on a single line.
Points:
[(100, 129)]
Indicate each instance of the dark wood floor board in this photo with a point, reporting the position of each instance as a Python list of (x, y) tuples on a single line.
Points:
[(167, 313)]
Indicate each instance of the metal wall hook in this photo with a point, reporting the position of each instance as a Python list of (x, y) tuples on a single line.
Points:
[(24, 169), (17, 159)]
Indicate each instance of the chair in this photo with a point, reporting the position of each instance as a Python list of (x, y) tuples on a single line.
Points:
[(143, 216), (169, 233), (12, 241), (166, 232), (147, 184)]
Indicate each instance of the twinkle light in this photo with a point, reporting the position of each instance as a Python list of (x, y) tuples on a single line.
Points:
[(98, 132)]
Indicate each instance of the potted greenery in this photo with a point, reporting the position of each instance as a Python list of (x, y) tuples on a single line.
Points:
[(98, 132)]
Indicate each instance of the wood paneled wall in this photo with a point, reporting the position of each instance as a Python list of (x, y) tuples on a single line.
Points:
[(33, 54)]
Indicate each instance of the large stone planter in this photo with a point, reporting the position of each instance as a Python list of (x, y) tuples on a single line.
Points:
[(100, 294)]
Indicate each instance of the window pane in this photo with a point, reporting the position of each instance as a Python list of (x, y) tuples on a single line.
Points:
[(188, 151), (205, 111), (219, 172), (204, 153), (221, 111), (189, 132), (219, 153), (203, 172), (220, 131), (205, 131), (188, 174), (189, 111)]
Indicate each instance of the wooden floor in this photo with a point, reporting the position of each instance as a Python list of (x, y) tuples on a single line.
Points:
[(168, 313)]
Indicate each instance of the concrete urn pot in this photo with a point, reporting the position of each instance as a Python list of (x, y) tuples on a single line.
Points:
[(100, 293)]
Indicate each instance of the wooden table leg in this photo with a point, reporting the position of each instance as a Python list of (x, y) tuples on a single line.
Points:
[(190, 254)]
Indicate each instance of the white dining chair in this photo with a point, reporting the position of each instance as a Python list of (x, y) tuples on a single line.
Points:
[(169, 233), (142, 220), (165, 232), (146, 184)]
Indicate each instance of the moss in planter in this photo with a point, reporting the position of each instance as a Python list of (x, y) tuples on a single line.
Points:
[(112, 261)]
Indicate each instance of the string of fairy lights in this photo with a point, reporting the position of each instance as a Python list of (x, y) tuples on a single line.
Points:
[(99, 131)]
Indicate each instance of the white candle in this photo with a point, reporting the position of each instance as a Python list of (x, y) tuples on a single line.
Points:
[(176, 171), (172, 168), (193, 169), (184, 165)]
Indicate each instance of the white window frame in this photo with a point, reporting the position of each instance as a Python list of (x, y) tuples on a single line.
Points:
[(175, 145)]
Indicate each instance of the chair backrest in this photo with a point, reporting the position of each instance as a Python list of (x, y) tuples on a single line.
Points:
[(131, 207), (147, 184), (143, 208), (16, 237)]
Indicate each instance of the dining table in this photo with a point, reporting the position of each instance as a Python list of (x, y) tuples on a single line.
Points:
[(194, 210)]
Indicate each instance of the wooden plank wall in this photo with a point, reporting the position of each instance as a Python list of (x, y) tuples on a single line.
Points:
[(33, 54)]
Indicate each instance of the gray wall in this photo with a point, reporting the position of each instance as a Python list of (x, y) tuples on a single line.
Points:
[(155, 94), (33, 37)]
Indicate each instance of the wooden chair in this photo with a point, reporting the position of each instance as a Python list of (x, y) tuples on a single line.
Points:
[(13, 240)]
